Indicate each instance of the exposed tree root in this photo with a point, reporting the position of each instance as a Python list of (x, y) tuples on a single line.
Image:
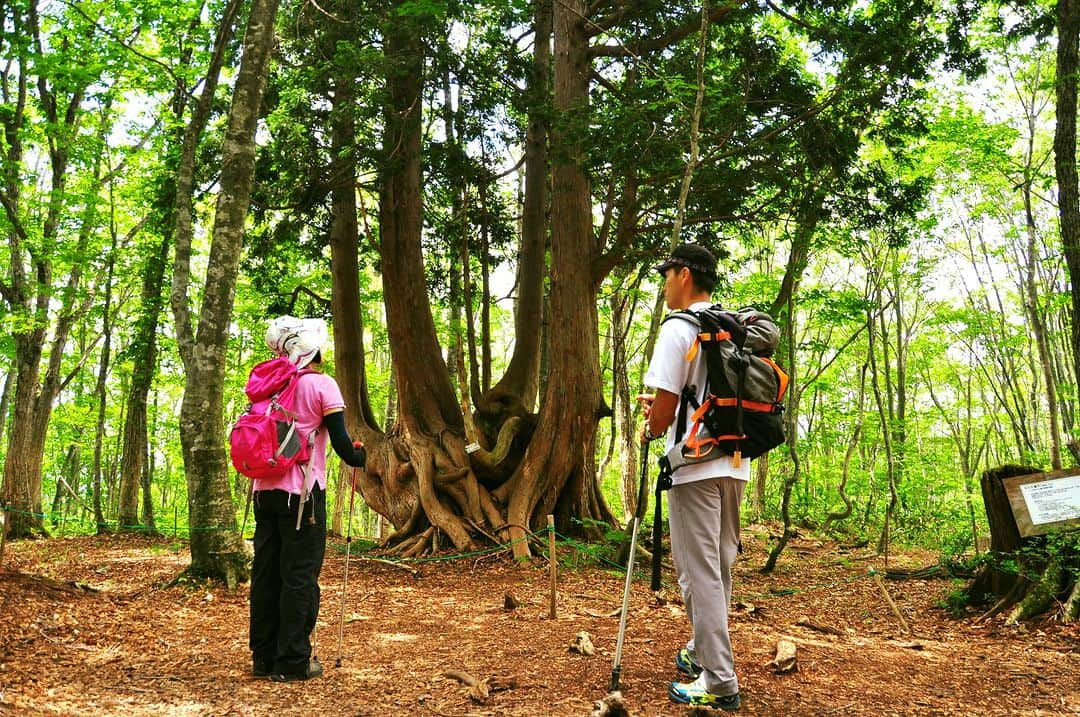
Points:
[(1007, 600), (490, 461), (480, 690), (1040, 595), (1071, 609)]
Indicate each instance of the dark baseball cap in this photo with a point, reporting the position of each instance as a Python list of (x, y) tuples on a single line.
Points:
[(693, 256)]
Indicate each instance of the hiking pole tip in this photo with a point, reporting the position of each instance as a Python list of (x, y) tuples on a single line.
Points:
[(614, 686)]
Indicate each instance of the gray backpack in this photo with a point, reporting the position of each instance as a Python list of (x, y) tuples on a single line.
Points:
[(742, 413)]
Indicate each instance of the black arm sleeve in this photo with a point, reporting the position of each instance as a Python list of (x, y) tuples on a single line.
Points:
[(339, 439)]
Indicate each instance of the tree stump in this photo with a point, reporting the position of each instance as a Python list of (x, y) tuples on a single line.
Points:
[(992, 582), (1023, 572)]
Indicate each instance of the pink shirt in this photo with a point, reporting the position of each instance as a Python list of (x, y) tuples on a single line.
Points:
[(316, 395)]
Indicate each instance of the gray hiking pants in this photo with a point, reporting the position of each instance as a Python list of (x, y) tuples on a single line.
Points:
[(704, 518)]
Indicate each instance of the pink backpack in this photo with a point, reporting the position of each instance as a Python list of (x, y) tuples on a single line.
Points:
[(265, 442)]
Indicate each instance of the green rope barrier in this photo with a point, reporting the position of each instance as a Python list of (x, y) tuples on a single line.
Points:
[(458, 556), (566, 540)]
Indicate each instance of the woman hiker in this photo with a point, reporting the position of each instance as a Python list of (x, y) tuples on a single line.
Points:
[(285, 574)]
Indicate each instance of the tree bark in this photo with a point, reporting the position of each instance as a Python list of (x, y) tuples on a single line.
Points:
[(1068, 25), (349, 346), (5, 400), (423, 467), (522, 374), (993, 582), (217, 549), (33, 298), (557, 474), (100, 391), (134, 471)]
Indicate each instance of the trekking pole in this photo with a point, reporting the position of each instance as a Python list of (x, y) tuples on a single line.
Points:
[(348, 552), (247, 507), (617, 666), (657, 538)]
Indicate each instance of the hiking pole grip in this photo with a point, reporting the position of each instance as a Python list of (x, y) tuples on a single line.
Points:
[(247, 507)]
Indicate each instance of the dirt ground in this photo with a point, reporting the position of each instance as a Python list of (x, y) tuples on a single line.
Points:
[(87, 627)]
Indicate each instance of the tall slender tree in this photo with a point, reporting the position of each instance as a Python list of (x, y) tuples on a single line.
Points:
[(1068, 63), (217, 548)]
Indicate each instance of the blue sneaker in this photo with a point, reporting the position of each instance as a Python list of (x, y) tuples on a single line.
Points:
[(686, 664), (694, 693)]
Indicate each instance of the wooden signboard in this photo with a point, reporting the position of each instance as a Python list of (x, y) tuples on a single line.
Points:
[(1044, 502)]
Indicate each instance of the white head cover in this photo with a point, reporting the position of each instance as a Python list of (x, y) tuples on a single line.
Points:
[(299, 339)]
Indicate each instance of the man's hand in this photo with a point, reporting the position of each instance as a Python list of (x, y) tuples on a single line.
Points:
[(646, 401), (659, 410)]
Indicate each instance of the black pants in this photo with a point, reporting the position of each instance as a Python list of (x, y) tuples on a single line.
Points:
[(285, 578)]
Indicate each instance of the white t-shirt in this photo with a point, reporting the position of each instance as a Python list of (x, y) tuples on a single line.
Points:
[(669, 370)]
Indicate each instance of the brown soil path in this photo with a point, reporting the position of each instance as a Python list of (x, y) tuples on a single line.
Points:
[(128, 646)]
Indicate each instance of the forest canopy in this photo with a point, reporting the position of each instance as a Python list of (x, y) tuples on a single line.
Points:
[(473, 196)]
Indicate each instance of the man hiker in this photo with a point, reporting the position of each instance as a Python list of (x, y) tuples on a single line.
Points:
[(704, 499)]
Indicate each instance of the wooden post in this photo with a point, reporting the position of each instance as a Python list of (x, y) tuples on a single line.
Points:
[(552, 569)]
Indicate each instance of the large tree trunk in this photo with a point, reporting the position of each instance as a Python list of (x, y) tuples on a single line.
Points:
[(557, 474), (22, 462), (1068, 22), (349, 352), (423, 465), (32, 297), (508, 407), (216, 546)]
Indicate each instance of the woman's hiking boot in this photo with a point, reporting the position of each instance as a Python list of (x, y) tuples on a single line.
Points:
[(261, 667), (314, 669)]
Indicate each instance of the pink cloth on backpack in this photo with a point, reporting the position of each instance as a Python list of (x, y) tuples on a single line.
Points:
[(267, 378), (316, 395)]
